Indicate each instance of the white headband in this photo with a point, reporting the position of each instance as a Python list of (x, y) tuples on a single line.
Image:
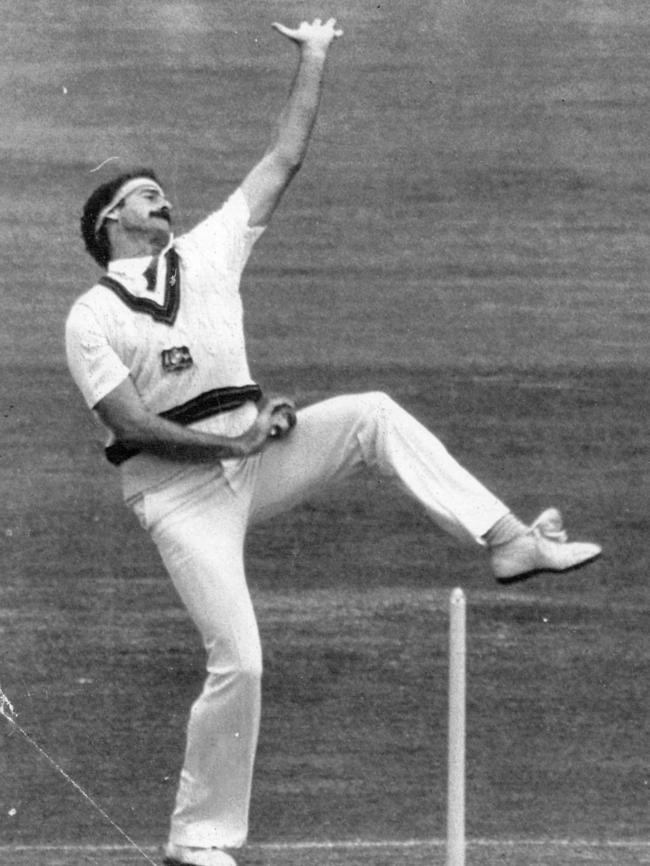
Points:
[(127, 188)]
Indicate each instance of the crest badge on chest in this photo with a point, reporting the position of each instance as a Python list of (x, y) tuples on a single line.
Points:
[(176, 359)]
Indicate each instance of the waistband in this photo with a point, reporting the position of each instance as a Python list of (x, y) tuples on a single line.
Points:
[(204, 406)]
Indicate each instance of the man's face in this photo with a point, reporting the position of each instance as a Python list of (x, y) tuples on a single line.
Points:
[(148, 211)]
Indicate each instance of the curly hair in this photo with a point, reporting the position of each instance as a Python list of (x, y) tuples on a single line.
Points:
[(97, 243)]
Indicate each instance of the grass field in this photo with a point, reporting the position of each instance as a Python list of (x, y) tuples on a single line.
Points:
[(469, 234), (479, 853)]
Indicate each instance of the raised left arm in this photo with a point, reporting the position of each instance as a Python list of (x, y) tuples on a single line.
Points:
[(266, 182)]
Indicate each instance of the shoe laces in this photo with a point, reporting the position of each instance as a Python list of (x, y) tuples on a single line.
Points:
[(549, 525)]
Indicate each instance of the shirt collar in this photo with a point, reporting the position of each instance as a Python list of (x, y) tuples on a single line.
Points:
[(135, 265)]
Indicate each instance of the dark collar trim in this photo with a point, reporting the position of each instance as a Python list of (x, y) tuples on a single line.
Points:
[(165, 312)]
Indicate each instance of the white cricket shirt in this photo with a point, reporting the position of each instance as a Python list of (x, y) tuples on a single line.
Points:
[(177, 338)]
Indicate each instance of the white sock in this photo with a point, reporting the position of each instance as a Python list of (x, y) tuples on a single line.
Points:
[(504, 530)]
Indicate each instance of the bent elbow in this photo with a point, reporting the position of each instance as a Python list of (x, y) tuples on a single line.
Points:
[(293, 163), (287, 161), (124, 428)]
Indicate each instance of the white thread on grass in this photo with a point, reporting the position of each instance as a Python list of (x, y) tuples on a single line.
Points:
[(7, 710), (102, 164), (6, 707)]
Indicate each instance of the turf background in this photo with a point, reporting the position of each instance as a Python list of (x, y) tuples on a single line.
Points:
[(468, 234)]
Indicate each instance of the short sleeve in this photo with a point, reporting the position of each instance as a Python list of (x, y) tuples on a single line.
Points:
[(226, 233), (94, 365)]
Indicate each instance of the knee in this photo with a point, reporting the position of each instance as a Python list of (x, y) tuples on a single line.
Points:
[(246, 680), (377, 410), (237, 664), (376, 404), (235, 682), (250, 669)]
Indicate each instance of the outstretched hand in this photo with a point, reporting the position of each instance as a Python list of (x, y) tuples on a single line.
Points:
[(315, 35)]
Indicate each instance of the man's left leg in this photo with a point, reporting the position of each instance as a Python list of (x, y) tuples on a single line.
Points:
[(339, 437)]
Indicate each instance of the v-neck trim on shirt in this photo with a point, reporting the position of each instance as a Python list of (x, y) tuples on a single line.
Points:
[(164, 311)]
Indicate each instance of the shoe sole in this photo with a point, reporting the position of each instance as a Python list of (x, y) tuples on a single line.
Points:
[(171, 861), (526, 575)]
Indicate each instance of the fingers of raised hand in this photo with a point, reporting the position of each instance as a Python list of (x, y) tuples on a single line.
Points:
[(285, 31), (316, 32), (336, 31)]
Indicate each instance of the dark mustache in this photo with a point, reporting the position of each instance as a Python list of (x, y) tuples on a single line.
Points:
[(163, 213)]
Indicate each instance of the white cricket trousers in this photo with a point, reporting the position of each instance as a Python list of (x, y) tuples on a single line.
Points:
[(199, 522)]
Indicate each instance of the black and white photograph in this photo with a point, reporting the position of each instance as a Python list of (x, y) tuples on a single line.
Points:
[(324, 438)]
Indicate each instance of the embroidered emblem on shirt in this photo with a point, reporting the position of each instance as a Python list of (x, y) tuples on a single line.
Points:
[(175, 359)]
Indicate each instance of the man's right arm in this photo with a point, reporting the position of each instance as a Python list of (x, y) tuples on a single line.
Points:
[(123, 411)]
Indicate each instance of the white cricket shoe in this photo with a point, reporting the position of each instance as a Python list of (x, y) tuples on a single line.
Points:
[(179, 855), (543, 548)]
